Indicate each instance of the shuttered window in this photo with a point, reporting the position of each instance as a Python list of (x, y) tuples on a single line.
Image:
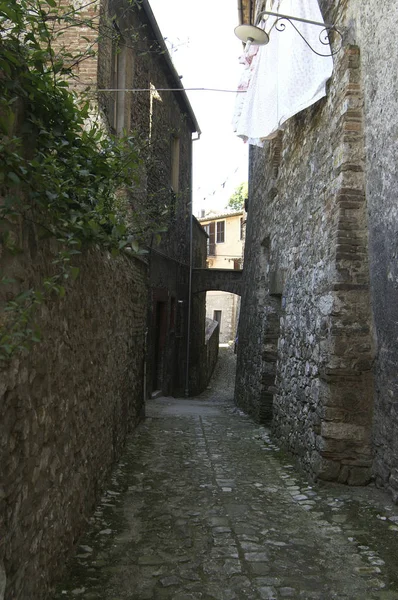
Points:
[(220, 234), (210, 229)]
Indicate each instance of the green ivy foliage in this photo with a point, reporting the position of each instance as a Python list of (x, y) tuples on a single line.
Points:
[(59, 171)]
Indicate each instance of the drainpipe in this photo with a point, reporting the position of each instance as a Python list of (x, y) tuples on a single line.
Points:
[(190, 277)]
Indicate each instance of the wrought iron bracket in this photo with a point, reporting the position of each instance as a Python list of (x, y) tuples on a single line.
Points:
[(327, 30)]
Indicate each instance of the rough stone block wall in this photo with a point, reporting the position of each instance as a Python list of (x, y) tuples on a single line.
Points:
[(375, 32), (256, 305), (156, 118), (306, 268), (368, 26), (65, 410)]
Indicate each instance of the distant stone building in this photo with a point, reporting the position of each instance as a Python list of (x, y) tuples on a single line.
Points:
[(224, 251), (319, 323)]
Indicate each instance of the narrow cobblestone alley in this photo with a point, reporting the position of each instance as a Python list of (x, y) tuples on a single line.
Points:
[(203, 505)]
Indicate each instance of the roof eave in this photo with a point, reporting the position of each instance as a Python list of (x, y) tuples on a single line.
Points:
[(166, 55), (221, 216)]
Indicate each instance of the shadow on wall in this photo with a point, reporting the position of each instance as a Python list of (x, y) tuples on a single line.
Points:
[(206, 355), (2, 581)]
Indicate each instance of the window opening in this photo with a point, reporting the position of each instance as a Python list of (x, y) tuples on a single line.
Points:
[(220, 235), (210, 229)]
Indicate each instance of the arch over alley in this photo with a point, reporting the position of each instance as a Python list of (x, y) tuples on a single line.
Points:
[(223, 280)]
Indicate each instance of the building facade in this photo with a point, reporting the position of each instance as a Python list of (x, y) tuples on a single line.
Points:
[(137, 58), (319, 323), (130, 77), (225, 244)]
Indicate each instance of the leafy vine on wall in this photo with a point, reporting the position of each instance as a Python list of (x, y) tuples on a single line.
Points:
[(60, 172)]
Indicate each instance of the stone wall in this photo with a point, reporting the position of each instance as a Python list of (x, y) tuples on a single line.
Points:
[(162, 124), (65, 410), (305, 343), (375, 34), (367, 25)]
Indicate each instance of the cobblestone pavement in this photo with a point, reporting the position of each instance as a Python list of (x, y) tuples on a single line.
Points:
[(203, 505)]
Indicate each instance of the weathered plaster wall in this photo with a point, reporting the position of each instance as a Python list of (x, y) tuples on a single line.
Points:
[(228, 305), (65, 410), (305, 302)]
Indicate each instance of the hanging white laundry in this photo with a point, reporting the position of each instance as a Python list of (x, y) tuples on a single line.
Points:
[(248, 60), (286, 76)]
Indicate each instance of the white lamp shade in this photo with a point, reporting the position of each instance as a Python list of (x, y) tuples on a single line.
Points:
[(255, 35)]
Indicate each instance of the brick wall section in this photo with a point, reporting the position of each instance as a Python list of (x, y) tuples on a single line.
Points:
[(65, 410), (73, 39), (305, 301)]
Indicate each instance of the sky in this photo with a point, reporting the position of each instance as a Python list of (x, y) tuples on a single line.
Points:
[(205, 51)]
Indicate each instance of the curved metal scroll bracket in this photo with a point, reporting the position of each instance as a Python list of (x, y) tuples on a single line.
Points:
[(324, 36)]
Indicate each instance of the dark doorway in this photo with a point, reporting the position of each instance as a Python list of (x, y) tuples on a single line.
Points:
[(217, 317), (160, 344)]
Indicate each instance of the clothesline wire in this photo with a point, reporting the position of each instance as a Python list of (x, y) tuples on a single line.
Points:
[(171, 90)]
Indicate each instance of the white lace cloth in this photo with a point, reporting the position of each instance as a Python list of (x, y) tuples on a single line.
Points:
[(283, 77)]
